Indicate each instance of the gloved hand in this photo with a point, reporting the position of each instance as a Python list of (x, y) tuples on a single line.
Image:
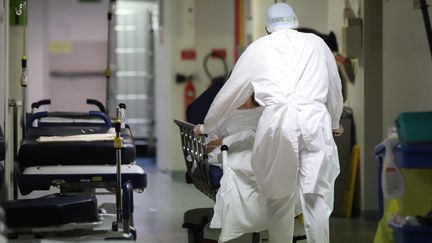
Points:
[(198, 130), (214, 144), (339, 131)]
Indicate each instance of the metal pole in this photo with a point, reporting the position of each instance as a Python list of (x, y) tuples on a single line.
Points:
[(21, 10), (108, 71), (9, 160), (118, 145), (424, 8), (9, 167)]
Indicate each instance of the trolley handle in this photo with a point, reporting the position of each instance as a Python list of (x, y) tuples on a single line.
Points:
[(40, 103), (96, 103), (102, 116)]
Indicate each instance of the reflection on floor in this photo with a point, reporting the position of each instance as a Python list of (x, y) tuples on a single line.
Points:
[(159, 211)]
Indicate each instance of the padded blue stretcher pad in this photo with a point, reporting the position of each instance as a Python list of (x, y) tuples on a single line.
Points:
[(42, 177), (52, 210), (33, 153)]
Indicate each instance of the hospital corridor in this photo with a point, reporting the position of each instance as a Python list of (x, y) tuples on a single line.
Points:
[(207, 121)]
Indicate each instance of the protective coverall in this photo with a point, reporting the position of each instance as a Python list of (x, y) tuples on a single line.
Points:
[(294, 76)]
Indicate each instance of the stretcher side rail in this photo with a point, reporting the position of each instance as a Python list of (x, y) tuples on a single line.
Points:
[(34, 153), (91, 114), (45, 102), (195, 154)]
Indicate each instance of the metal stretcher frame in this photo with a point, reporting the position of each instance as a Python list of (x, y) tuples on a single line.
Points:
[(64, 172), (91, 118), (195, 154), (72, 178)]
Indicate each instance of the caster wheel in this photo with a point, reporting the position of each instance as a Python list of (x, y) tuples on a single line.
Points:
[(114, 226)]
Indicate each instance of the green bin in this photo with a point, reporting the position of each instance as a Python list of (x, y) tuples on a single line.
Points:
[(415, 127)]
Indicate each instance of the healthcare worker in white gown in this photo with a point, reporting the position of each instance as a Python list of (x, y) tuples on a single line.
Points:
[(294, 76)]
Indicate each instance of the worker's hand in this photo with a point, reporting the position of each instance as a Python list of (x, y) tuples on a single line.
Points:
[(249, 104), (197, 130), (339, 131), (214, 144)]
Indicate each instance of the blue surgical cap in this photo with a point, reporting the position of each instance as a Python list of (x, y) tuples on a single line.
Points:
[(281, 16)]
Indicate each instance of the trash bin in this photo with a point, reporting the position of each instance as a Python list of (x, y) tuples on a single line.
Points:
[(411, 234)]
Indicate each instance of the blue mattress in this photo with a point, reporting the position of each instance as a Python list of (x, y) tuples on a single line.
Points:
[(96, 176), (32, 153), (52, 210)]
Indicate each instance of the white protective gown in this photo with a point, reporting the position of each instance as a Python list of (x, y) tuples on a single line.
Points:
[(294, 76), (239, 207)]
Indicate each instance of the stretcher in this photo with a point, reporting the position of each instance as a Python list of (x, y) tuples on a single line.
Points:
[(199, 172), (76, 167), (77, 163), (206, 177), (33, 153)]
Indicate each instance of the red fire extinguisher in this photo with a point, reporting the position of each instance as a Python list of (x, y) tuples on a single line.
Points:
[(189, 93)]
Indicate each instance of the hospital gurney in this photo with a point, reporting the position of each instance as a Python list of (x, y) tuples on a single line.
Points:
[(75, 167), (74, 163), (206, 178)]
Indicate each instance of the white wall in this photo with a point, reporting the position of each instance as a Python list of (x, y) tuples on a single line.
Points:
[(213, 28), (407, 61), (37, 43), (2, 63), (83, 26), (6, 192), (75, 21), (163, 89), (312, 13)]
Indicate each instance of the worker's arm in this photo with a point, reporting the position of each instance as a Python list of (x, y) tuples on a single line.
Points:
[(334, 96)]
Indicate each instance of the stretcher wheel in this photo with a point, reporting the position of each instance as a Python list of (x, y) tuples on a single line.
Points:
[(188, 178), (114, 226), (134, 234)]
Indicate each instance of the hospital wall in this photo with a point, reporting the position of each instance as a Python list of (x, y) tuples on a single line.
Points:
[(208, 26), (2, 63), (66, 37), (213, 27), (356, 93), (355, 90), (322, 16), (407, 71)]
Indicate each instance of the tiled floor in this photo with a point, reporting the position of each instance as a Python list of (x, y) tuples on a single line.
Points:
[(159, 211)]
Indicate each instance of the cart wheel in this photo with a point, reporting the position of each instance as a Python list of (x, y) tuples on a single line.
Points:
[(188, 178), (114, 226), (134, 234)]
